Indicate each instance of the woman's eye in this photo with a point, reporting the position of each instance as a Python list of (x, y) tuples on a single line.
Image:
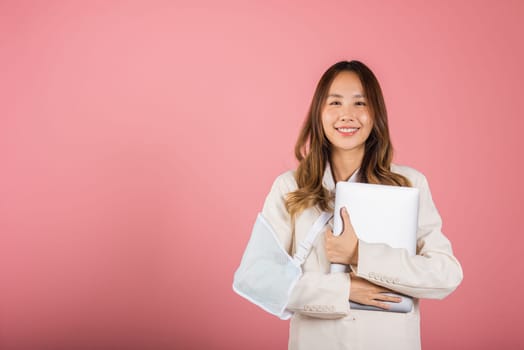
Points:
[(360, 103), (334, 103)]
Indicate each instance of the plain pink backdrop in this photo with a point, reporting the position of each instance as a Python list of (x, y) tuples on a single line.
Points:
[(138, 141)]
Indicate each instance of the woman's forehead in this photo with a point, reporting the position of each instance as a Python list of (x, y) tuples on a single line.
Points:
[(346, 84)]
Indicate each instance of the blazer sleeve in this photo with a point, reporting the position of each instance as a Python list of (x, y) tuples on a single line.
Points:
[(316, 294), (433, 273)]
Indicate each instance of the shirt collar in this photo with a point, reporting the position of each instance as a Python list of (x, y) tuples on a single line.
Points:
[(328, 181)]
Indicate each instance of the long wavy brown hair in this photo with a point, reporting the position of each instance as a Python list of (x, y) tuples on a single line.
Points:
[(313, 150)]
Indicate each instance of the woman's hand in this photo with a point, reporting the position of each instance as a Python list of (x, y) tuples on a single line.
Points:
[(367, 293), (343, 249)]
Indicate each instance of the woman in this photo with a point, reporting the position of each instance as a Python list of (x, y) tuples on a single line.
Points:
[(346, 134)]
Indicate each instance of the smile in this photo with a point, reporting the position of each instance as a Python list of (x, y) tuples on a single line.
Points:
[(347, 131)]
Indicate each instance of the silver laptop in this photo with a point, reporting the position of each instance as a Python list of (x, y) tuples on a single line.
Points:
[(380, 214)]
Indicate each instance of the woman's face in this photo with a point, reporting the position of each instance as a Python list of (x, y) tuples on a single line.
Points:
[(346, 116)]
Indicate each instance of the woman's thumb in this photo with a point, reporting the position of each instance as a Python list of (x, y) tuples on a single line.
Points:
[(345, 218)]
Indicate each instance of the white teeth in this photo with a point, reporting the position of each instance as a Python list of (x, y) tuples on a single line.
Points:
[(347, 129)]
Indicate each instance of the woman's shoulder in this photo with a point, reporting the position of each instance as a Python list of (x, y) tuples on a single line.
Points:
[(286, 181), (282, 185), (416, 177)]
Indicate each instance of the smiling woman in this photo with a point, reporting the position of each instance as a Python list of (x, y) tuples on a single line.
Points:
[(346, 117), (347, 95), (345, 137)]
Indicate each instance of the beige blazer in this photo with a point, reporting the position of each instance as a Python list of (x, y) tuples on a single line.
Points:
[(323, 319)]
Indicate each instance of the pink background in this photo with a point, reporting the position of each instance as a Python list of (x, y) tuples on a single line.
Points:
[(138, 141)]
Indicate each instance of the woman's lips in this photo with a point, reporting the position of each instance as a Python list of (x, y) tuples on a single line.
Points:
[(347, 131)]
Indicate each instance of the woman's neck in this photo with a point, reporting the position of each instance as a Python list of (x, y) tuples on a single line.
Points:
[(343, 165)]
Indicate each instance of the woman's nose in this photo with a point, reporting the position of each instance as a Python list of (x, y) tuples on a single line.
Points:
[(346, 116)]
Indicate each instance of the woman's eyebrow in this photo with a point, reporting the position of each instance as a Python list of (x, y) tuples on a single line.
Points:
[(340, 96)]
